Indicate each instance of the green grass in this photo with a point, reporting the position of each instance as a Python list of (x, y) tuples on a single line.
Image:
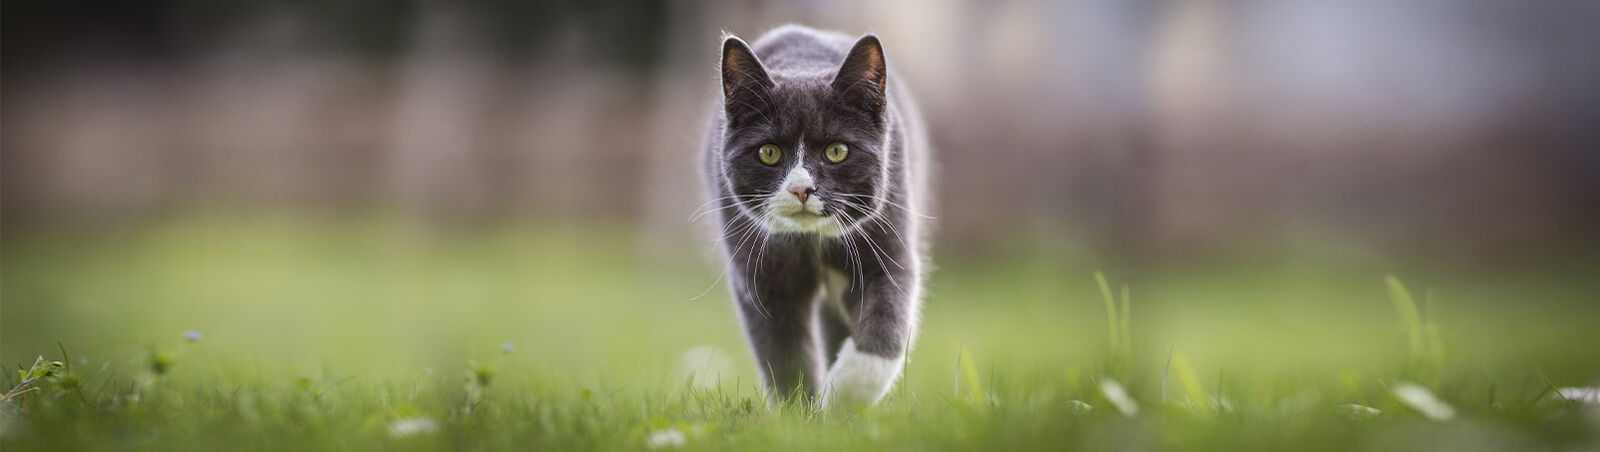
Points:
[(323, 334)]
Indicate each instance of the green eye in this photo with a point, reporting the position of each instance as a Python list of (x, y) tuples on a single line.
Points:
[(836, 152), (769, 154)]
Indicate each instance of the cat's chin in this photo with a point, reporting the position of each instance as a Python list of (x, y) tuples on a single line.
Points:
[(804, 223)]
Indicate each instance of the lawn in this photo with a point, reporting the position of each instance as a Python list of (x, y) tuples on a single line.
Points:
[(224, 333)]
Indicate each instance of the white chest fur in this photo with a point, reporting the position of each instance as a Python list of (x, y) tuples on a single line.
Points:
[(835, 284)]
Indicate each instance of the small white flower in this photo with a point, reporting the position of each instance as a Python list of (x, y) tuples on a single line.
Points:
[(1119, 398), (413, 426), (1080, 407), (192, 335), (1358, 411), (1423, 400), (1590, 396), (507, 348), (665, 438)]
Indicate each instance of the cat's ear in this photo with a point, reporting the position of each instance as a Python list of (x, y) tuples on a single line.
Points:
[(864, 73), (743, 79)]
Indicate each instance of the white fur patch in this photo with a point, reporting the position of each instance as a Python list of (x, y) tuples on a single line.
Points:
[(859, 378), (787, 214), (784, 203), (835, 284), (798, 176)]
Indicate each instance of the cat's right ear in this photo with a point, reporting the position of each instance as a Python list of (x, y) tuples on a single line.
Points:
[(744, 81), (862, 76)]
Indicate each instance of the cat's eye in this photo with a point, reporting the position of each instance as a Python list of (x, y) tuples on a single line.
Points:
[(769, 154), (836, 152)]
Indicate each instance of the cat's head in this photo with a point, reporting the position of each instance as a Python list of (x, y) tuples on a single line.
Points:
[(804, 152)]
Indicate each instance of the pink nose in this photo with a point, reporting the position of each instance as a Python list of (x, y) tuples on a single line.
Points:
[(802, 192)]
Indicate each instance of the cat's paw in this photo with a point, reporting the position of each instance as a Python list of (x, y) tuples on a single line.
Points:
[(858, 378)]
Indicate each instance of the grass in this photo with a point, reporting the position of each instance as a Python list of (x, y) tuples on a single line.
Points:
[(337, 334)]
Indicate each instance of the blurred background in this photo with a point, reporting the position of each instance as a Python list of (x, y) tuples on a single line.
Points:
[(361, 175), (1139, 126)]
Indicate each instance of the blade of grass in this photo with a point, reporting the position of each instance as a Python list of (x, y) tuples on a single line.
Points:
[(1167, 370), (1189, 379), (1410, 319), (1111, 309), (1126, 337), (969, 370)]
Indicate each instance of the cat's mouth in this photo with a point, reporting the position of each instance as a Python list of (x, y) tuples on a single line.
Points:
[(805, 215), (804, 222), (799, 218)]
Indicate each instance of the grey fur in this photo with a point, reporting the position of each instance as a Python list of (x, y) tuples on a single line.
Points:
[(791, 93)]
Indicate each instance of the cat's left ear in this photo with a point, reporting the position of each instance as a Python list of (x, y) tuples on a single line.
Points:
[(863, 74)]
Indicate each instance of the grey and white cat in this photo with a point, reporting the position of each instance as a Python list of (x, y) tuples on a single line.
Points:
[(816, 163)]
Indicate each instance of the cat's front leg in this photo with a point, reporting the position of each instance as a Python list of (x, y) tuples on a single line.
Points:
[(874, 356), (779, 329)]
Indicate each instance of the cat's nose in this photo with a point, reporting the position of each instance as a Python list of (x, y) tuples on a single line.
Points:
[(802, 192)]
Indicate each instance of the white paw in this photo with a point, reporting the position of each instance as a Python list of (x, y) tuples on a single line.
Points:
[(858, 378)]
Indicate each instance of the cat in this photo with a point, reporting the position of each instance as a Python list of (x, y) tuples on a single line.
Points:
[(816, 162)]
